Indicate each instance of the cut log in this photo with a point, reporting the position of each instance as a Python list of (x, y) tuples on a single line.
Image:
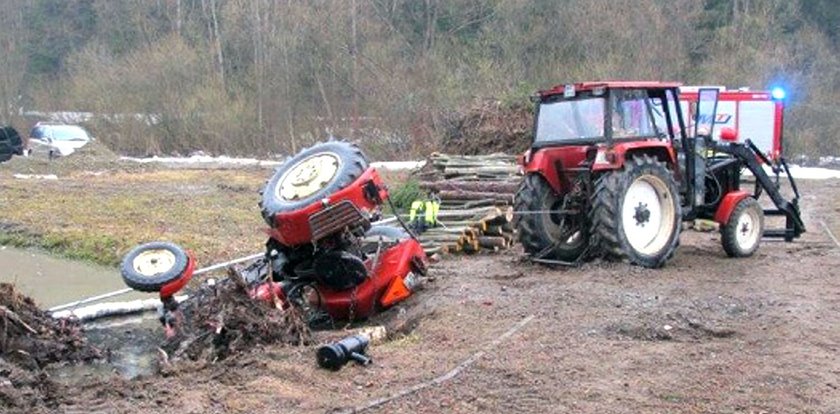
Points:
[(491, 242), (446, 230), (462, 215), (487, 170), (501, 217), (474, 186), (474, 195)]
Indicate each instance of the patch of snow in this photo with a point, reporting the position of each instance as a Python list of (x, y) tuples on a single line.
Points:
[(805, 173), (36, 176), (203, 159), (224, 159), (398, 165)]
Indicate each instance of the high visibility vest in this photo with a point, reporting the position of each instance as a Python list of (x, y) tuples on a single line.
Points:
[(429, 209)]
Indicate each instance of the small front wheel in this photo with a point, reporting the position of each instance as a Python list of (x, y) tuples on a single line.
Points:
[(741, 235), (151, 266)]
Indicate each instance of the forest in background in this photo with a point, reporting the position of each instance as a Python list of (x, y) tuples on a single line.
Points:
[(258, 77)]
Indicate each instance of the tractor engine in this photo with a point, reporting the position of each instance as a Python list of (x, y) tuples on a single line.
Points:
[(323, 239), (319, 206)]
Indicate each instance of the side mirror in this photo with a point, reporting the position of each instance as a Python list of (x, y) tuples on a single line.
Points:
[(728, 134)]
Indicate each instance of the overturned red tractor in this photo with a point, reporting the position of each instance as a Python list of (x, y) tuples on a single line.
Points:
[(323, 254), (613, 172)]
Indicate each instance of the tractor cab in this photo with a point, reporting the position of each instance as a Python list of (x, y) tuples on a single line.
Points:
[(606, 112)]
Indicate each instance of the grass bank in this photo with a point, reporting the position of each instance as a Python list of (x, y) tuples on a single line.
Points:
[(96, 211), (98, 216)]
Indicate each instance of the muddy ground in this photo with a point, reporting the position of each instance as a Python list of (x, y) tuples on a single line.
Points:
[(704, 334)]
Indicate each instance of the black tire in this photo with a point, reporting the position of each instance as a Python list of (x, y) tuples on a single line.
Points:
[(352, 163), (136, 278), (741, 235), (609, 237), (538, 232)]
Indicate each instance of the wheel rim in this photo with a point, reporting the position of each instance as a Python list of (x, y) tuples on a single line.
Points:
[(747, 230), (563, 228), (648, 215), (153, 262), (308, 176)]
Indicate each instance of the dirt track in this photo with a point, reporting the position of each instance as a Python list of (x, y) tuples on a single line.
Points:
[(704, 334)]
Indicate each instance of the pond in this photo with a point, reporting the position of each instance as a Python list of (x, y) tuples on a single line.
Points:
[(54, 281)]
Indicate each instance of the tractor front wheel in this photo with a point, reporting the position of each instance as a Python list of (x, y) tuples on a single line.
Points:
[(741, 235), (636, 213), (544, 230)]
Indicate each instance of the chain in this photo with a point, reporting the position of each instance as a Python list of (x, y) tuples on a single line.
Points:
[(564, 212), (352, 310)]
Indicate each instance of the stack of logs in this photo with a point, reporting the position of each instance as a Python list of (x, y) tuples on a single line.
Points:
[(476, 195)]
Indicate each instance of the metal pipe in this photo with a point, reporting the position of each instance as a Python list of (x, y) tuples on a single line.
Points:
[(128, 290)]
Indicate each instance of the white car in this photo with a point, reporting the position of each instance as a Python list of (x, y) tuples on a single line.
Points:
[(55, 140)]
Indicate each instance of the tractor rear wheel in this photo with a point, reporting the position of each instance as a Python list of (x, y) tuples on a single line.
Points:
[(741, 235), (543, 231), (636, 213), (311, 175)]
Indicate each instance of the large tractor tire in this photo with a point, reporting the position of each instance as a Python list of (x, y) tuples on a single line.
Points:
[(311, 175), (742, 234), (545, 233), (636, 213)]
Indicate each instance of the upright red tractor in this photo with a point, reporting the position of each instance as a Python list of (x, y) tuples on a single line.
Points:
[(613, 171)]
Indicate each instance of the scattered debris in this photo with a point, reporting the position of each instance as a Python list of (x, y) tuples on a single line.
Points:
[(223, 319), (28, 331), (29, 340)]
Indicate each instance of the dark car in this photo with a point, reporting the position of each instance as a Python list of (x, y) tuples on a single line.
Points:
[(10, 143)]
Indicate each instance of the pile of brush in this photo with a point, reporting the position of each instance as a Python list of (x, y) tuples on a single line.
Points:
[(222, 320)]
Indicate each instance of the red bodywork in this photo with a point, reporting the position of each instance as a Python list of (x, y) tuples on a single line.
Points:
[(552, 163), (588, 86), (384, 287), (727, 205), (292, 229), (556, 164), (174, 286)]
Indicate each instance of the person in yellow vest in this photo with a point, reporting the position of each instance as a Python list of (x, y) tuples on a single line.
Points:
[(423, 214)]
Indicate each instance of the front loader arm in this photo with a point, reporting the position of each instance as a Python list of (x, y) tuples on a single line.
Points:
[(749, 155)]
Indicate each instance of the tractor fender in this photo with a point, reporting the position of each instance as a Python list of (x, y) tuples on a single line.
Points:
[(613, 158), (549, 163), (727, 205)]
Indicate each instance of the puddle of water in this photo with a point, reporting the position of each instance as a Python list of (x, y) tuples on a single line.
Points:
[(132, 342), (54, 281)]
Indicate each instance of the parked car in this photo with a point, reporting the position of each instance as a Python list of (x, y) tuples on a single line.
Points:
[(55, 140), (10, 143)]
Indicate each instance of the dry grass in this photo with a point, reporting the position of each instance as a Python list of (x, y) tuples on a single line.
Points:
[(99, 216), (99, 208)]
